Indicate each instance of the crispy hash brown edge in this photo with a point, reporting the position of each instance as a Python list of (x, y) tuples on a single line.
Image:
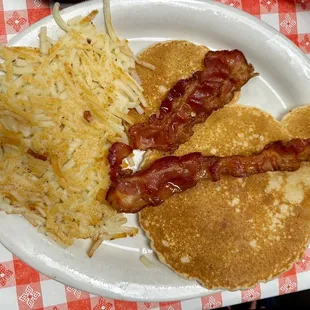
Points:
[(48, 47)]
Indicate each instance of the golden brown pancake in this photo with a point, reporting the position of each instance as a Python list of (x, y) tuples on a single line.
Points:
[(233, 130), (297, 122), (174, 60), (234, 233)]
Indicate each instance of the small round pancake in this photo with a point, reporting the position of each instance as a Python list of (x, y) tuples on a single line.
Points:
[(297, 122), (174, 60), (234, 233), (234, 130)]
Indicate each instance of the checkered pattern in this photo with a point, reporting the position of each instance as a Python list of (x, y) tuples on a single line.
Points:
[(290, 17), (21, 287), (17, 15)]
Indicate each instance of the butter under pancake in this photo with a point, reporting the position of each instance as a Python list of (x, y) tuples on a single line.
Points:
[(174, 60), (297, 122), (234, 233)]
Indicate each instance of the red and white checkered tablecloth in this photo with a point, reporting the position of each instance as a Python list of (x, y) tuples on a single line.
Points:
[(21, 287)]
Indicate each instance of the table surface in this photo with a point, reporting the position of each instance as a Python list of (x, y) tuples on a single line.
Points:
[(21, 287)]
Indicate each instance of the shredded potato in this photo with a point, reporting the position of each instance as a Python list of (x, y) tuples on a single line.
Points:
[(146, 262), (61, 107)]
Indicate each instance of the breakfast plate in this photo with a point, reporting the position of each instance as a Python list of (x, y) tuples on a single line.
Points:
[(115, 271)]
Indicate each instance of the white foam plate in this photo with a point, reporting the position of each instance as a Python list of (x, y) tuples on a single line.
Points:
[(284, 83)]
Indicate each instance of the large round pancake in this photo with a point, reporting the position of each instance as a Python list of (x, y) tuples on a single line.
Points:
[(297, 122), (174, 60), (234, 130), (234, 233)]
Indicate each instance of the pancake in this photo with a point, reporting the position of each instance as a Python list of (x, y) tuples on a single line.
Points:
[(234, 130), (234, 233), (174, 60), (297, 122)]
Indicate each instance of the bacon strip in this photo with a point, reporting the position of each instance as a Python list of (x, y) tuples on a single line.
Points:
[(36, 155), (191, 101), (87, 116), (172, 174), (117, 153)]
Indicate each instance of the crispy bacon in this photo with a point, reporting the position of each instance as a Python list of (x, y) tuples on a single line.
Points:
[(87, 116), (192, 100), (117, 153), (36, 155), (172, 174)]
